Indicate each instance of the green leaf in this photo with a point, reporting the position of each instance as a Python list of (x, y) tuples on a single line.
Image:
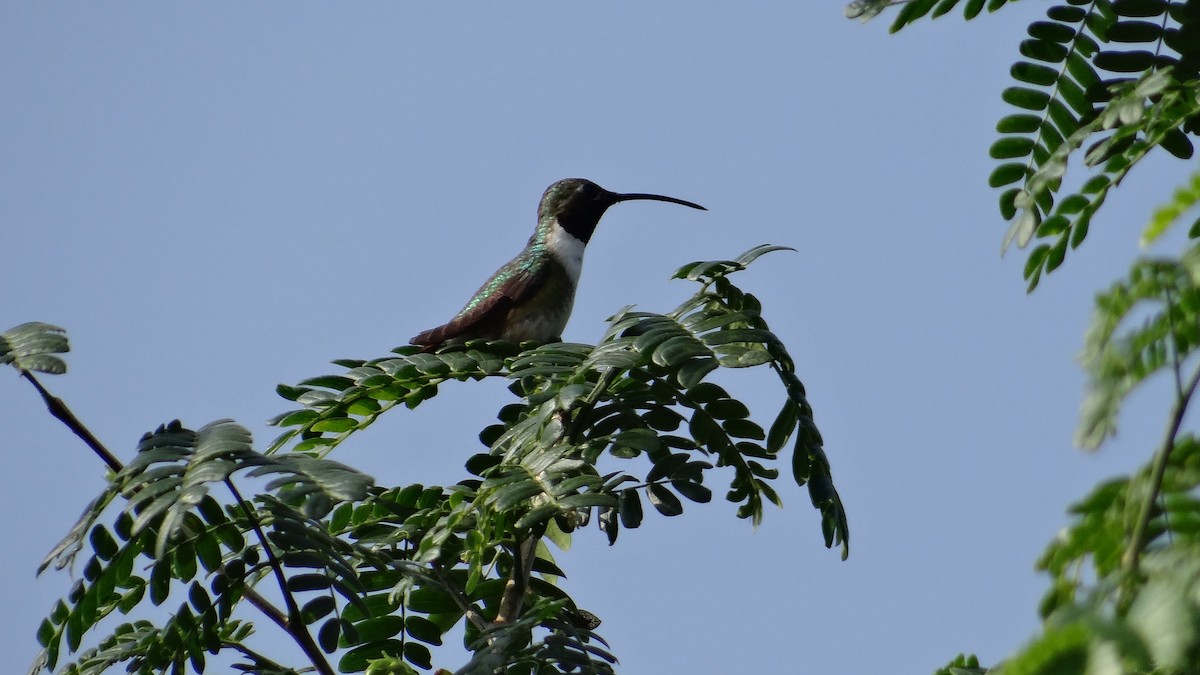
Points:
[(357, 659), (679, 349), (1133, 61), (1139, 8), (664, 500), (1041, 50), (1176, 142), (1006, 174), (328, 635), (642, 440), (299, 583), (629, 504), (783, 426), (103, 543), (1051, 32), (423, 629), (666, 467), (693, 491), (317, 608), (379, 628), (1066, 13), (726, 409), (1020, 123), (758, 251), (744, 428), (1033, 73), (693, 372), (335, 425), (418, 655), (431, 600), (1029, 99), (31, 346), (160, 582), (1184, 199)]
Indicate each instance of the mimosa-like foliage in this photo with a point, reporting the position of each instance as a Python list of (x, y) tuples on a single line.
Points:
[(376, 575)]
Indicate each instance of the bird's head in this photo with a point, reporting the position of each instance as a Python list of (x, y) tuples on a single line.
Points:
[(577, 204)]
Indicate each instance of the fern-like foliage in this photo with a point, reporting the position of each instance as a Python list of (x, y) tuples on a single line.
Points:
[(377, 576), (962, 665), (1155, 633), (1099, 85), (171, 519), (1130, 125), (622, 396), (1165, 295), (32, 346), (1125, 591), (1184, 199), (1109, 80), (567, 648), (913, 10)]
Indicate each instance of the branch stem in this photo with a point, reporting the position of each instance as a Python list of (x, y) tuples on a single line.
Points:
[(1132, 558), (513, 599), (62, 413), (294, 625), (468, 611)]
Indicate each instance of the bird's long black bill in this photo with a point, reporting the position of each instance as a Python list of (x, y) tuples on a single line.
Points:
[(658, 198)]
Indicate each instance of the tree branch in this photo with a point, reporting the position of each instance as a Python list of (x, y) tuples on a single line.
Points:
[(259, 659), (1131, 559), (468, 611), (63, 413), (513, 599), (295, 623)]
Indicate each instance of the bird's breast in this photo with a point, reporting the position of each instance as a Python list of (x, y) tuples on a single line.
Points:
[(544, 315)]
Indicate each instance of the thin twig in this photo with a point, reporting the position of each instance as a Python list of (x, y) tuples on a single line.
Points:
[(1132, 556), (572, 428), (525, 551), (468, 611), (259, 659), (295, 623), (62, 413)]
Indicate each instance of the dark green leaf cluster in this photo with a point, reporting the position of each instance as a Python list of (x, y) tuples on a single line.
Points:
[(379, 575), (1108, 79), (1153, 631), (336, 406), (1125, 592), (1186, 197), (144, 648), (962, 665), (568, 648), (1164, 296), (1102, 83), (1139, 116), (913, 10), (1150, 50), (407, 602), (111, 583), (625, 395), (32, 346), (171, 521)]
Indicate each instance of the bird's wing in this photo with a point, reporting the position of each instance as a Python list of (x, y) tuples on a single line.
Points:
[(511, 284)]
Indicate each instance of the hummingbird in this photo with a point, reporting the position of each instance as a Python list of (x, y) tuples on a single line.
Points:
[(531, 296)]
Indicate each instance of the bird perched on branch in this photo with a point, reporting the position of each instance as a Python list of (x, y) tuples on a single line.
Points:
[(531, 296)]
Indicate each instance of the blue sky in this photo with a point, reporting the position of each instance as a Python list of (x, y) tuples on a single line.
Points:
[(213, 199)]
